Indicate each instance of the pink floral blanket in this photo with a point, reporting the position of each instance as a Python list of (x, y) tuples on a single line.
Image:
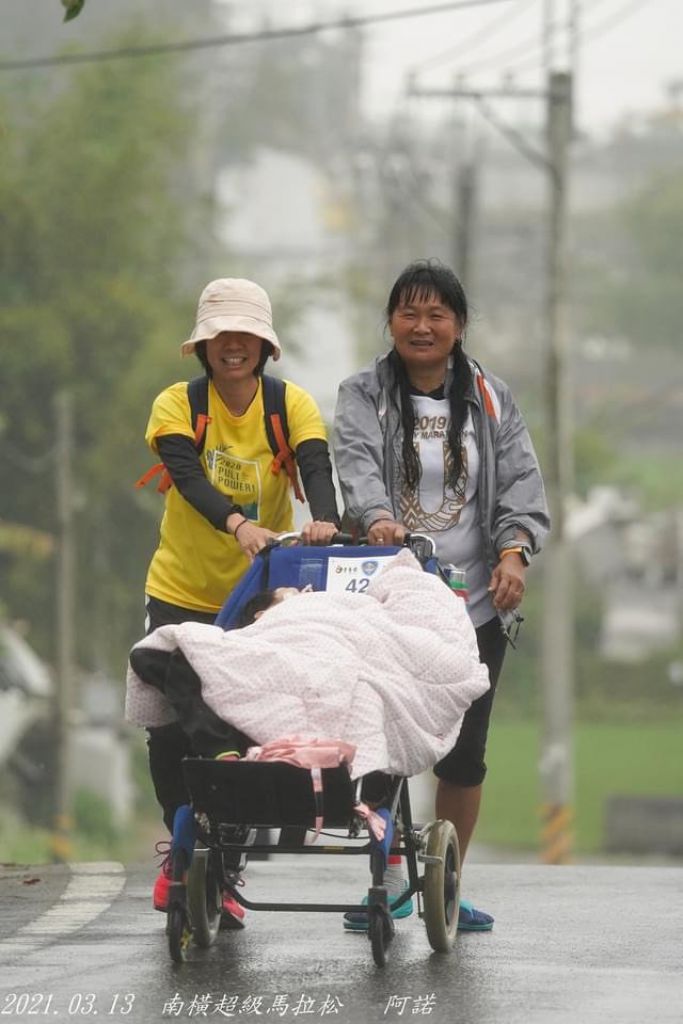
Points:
[(391, 671)]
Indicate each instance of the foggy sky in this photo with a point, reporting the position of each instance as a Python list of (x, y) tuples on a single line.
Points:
[(629, 51)]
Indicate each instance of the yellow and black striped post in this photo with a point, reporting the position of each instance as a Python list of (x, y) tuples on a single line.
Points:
[(60, 839), (557, 839)]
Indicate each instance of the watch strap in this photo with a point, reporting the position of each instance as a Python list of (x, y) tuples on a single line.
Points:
[(523, 550)]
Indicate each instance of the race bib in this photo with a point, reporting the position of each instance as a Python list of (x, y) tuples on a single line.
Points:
[(353, 575)]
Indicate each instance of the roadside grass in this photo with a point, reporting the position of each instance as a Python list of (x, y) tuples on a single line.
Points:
[(610, 759), (21, 843)]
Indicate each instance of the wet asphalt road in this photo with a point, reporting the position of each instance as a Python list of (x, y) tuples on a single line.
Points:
[(571, 945)]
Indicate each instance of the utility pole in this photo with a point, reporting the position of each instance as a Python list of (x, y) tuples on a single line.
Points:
[(62, 826), (548, 14), (466, 157), (465, 207), (556, 766), (557, 642)]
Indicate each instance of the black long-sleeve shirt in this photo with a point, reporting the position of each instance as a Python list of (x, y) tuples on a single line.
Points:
[(179, 455)]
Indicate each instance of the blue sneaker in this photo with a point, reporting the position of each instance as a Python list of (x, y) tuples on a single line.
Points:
[(472, 920), (358, 921), (469, 918)]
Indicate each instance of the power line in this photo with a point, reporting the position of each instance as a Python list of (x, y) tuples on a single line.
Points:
[(486, 32), (513, 136), (616, 18), (590, 34), (237, 39), (529, 49), (522, 48)]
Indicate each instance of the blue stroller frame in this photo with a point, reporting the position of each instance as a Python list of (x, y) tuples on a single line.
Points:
[(233, 802)]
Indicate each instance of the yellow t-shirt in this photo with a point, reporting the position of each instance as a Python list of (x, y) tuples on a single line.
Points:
[(196, 566)]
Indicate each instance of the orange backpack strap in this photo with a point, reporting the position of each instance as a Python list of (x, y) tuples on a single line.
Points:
[(200, 430), (157, 469), (277, 431), (198, 397), (486, 396), (284, 457)]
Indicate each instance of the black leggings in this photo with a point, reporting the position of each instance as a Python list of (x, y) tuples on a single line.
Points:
[(465, 765)]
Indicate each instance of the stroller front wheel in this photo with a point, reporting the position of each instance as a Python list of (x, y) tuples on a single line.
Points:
[(380, 933), (179, 934)]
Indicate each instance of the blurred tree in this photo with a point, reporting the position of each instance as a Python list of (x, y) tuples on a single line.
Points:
[(25, 542), (594, 459), (98, 273), (638, 296)]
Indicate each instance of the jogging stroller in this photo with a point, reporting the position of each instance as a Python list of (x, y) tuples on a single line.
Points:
[(232, 802)]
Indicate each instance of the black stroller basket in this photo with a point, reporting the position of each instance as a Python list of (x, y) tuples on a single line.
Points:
[(267, 795)]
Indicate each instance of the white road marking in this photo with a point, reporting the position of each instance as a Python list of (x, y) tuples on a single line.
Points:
[(91, 890)]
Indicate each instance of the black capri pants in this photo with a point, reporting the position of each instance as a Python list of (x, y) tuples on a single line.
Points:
[(465, 765), (168, 744)]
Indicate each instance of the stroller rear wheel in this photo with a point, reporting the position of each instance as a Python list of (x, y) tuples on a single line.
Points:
[(204, 897), (442, 887)]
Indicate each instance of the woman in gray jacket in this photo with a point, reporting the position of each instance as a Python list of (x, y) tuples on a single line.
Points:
[(426, 442)]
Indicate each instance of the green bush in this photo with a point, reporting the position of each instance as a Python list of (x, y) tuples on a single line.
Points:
[(92, 817)]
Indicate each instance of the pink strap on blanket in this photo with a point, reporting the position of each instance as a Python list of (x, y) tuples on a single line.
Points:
[(326, 753), (312, 754), (317, 776)]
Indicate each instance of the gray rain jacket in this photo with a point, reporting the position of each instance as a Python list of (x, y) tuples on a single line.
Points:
[(368, 439)]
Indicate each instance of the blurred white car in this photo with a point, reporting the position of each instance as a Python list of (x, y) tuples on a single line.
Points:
[(25, 687)]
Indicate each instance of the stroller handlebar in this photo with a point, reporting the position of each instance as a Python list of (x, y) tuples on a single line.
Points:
[(421, 544)]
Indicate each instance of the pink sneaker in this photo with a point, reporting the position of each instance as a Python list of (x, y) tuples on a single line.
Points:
[(163, 880), (232, 916)]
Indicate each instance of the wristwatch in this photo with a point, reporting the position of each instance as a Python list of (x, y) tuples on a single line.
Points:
[(520, 548)]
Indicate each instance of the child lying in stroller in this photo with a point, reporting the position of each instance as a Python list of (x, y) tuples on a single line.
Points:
[(172, 674), (391, 672)]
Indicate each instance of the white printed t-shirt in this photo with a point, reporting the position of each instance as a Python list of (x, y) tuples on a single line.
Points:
[(450, 517)]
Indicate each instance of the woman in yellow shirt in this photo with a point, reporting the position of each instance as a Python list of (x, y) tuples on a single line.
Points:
[(226, 503)]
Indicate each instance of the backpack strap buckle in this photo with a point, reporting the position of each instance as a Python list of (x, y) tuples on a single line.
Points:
[(284, 458)]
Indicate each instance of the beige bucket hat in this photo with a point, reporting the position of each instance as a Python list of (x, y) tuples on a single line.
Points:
[(233, 304)]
